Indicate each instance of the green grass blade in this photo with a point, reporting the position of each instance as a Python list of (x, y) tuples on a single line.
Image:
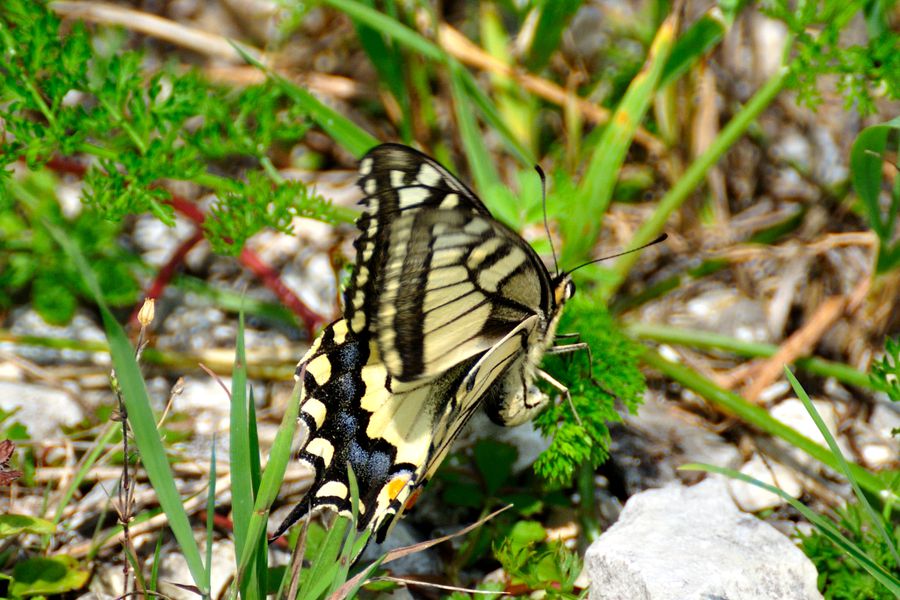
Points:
[(761, 419), (554, 17), (409, 38), (389, 26), (345, 132), (708, 340), (210, 512), (483, 171), (243, 492), (866, 160), (842, 462), (109, 434), (271, 480), (140, 416), (824, 525), (698, 39), (596, 188), (325, 568), (389, 64), (694, 176)]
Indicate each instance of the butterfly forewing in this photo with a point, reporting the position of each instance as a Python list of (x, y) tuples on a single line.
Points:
[(437, 279)]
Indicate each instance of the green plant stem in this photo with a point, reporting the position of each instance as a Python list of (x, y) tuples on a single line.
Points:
[(154, 356), (694, 176), (706, 340), (760, 419)]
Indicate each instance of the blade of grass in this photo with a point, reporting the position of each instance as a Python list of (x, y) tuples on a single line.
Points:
[(210, 513), (411, 39), (866, 161), (140, 415), (823, 524), (483, 171), (326, 564), (272, 477), (844, 466), (596, 188), (698, 39), (345, 132), (707, 340), (243, 492), (109, 435), (554, 17), (389, 64), (154, 356), (694, 176), (760, 419), (515, 107)]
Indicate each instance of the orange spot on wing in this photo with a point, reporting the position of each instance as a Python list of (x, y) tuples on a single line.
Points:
[(396, 485)]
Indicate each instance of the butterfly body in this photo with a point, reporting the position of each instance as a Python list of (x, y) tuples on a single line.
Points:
[(447, 311)]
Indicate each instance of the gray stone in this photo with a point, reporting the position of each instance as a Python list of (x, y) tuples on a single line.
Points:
[(693, 543), (41, 409)]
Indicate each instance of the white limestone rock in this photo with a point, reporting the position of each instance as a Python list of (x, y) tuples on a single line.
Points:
[(693, 543)]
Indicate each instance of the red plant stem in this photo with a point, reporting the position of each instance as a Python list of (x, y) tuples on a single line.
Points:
[(269, 276), (167, 271), (272, 280)]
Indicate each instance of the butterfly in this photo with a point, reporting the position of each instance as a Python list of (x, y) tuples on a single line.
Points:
[(447, 311)]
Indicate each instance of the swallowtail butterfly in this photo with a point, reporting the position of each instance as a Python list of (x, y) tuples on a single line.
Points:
[(447, 311)]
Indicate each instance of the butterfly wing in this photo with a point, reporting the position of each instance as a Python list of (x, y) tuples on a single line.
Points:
[(437, 279), (441, 309), (355, 414)]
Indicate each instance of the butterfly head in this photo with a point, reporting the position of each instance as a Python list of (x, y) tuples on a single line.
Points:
[(563, 288)]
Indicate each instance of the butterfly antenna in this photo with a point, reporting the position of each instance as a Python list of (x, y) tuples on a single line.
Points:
[(661, 238), (543, 177)]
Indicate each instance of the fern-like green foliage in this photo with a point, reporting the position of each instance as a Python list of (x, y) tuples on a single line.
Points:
[(31, 264), (74, 93), (840, 577), (538, 566), (863, 70), (616, 377), (886, 372)]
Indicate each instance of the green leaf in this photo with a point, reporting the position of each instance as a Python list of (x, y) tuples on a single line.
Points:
[(495, 461), (866, 161), (47, 575), (11, 525), (525, 533)]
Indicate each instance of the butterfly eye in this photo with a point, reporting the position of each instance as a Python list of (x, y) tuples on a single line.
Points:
[(570, 289)]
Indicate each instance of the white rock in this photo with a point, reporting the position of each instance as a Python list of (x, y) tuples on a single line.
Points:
[(754, 499), (42, 410), (693, 543), (792, 413), (877, 446), (209, 404), (159, 241), (26, 321)]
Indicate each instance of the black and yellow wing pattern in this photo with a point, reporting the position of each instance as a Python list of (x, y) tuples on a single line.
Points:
[(447, 310)]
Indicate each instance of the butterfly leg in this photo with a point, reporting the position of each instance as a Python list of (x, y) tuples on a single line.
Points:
[(562, 389), (577, 347)]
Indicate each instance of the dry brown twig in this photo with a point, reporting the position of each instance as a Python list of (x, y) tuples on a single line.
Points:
[(802, 341)]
